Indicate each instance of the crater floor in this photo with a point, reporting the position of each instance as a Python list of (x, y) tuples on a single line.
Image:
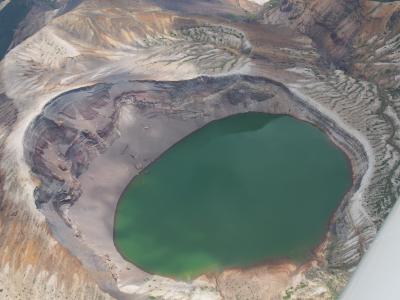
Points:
[(91, 86)]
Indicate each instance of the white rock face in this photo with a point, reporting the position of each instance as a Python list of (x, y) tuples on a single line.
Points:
[(4, 3), (261, 2)]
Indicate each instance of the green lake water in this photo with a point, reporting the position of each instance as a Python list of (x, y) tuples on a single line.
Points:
[(238, 192)]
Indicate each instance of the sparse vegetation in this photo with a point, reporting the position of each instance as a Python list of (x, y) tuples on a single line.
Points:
[(288, 294)]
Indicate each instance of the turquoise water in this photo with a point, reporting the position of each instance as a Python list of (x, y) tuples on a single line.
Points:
[(240, 191)]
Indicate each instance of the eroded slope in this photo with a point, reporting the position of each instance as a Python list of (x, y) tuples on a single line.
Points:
[(124, 41)]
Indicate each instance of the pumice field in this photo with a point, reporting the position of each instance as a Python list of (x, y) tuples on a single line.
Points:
[(195, 149)]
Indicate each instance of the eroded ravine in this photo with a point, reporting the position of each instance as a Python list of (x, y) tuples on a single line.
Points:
[(121, 41)]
